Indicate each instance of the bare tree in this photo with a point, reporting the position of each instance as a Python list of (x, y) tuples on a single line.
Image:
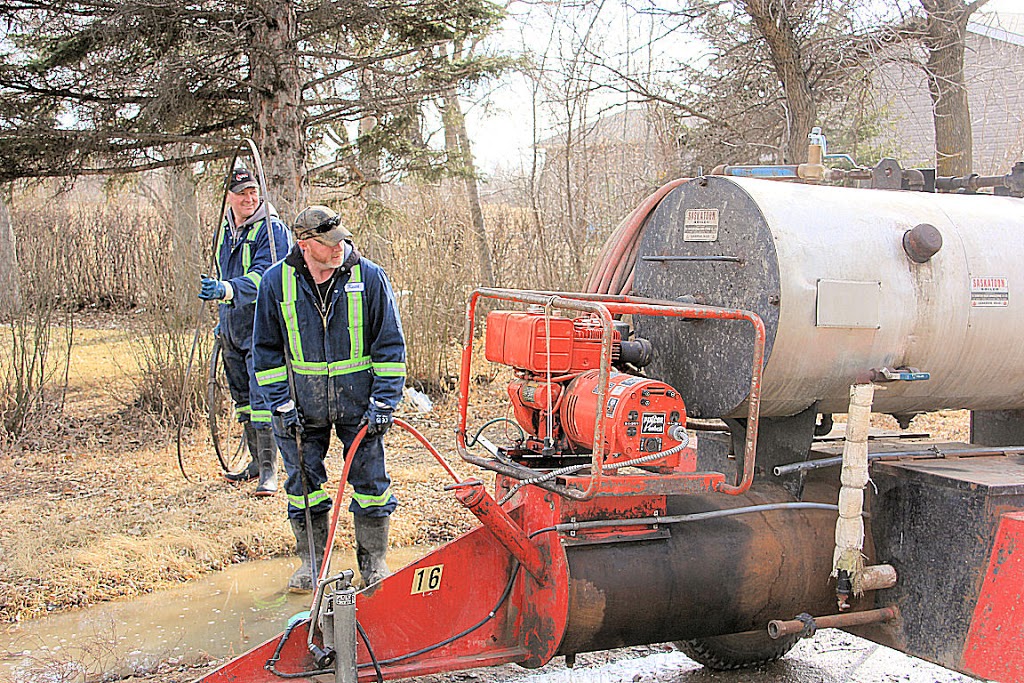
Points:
[(460, 151), (778, 29), (944, 37), (10, 281)]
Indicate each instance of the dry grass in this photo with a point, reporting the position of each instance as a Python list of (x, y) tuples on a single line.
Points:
[(96, 508)]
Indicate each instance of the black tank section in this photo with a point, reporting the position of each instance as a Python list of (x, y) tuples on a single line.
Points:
[(708, 361)]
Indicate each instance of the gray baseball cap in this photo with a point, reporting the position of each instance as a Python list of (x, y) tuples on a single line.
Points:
[(320, 223)]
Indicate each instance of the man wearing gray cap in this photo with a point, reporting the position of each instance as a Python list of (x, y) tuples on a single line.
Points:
[(251, 238), (326, 317)]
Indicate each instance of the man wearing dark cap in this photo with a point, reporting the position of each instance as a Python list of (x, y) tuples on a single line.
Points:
[(327, 318), (252, 237)]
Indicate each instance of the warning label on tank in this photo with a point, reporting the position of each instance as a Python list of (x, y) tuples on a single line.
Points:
[(700, 225), (989, 292)]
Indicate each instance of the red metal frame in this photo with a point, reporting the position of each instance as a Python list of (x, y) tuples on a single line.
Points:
[(604, 307)]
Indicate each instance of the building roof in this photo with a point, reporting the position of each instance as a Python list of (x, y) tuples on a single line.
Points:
[(1005, 26)]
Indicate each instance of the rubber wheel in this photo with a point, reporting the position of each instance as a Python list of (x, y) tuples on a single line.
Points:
[(227, 434), (736, 650)]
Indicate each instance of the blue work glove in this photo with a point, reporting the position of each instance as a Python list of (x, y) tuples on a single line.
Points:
[(212, 290), (288, 419), (216, 330), (377, 418)]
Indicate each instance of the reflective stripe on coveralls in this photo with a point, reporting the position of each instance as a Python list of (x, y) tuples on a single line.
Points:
[(356, 362), (315, 498), (247, 255)]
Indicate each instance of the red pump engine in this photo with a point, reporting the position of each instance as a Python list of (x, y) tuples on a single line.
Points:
[(555, 392)]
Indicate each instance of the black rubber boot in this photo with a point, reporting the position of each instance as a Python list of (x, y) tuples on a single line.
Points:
[(266, 453), (302, 580), (252, 470), (371, 548)]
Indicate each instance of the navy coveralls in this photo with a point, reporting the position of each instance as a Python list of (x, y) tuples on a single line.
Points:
[(241, 261), (340, 358)]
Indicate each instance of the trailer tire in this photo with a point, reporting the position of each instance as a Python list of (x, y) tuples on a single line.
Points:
[(736, 650)]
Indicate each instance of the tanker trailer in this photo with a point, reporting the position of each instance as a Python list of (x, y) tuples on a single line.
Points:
[(613, 522)]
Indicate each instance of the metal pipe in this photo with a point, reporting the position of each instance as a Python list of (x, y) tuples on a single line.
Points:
[(663, 259), (474, 496), (822, 463), (691, 517), (778, 628), (746, 548)]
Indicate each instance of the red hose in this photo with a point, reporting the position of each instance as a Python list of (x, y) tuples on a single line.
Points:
[(336, 508), (613, 271)]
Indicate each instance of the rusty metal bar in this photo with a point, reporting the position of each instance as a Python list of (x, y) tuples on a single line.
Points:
[(778, 628), (822, 463), (472, 494)]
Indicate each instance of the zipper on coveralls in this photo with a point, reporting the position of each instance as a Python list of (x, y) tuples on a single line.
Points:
[(324, 308)]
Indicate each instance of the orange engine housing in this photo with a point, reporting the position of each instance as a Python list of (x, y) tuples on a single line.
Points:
[(638, 413), (554, 396), (520, 340)]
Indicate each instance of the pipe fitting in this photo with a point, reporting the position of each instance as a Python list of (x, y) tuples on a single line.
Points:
[(922, 242)]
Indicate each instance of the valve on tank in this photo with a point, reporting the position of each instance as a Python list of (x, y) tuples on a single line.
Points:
[(555, 392)]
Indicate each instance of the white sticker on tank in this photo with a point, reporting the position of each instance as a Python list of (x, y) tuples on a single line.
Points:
[(990, 292), (700, 225)]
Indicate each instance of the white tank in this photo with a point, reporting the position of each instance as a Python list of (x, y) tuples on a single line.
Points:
[(826, 269)]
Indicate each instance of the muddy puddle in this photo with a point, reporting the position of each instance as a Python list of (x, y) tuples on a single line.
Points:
[(223, 614)]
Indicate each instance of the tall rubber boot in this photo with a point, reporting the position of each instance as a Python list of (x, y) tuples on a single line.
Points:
[(252, 470), (302, 580), (371, 548), (266, 454)]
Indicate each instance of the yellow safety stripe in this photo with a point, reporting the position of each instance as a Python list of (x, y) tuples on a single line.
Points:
[(347, 367), (220, 244), (242, 411), (247, 249), (289, 288), (356, 362), (260, 416), (315, 498), (355, 313), (255, 277), (364, 501), (272, 376), (389, 369), (309, 367)]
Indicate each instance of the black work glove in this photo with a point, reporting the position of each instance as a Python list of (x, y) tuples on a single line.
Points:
[(377, 418), (289, 420)]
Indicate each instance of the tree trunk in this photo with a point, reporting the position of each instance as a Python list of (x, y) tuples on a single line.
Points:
[(459, 150), (772, 22), (946, 28), (276, 95), (369, 152), (10, 280)]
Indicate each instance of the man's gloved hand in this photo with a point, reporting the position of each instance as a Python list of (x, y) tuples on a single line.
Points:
[(212, 290), (289, 421), (216, 330), (377, 418)]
